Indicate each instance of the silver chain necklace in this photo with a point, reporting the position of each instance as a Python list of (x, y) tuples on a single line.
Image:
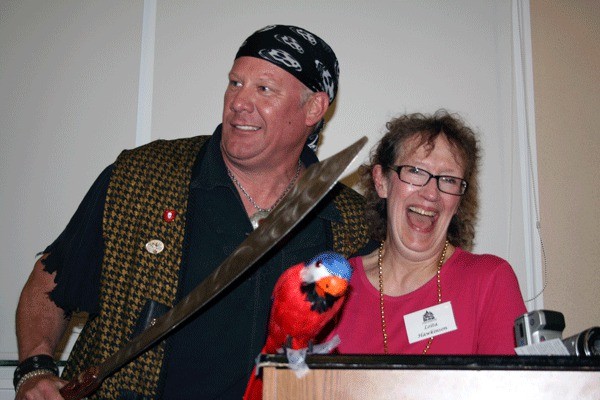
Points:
[(262, 213)]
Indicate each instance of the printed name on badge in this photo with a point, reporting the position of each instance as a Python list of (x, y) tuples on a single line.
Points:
[(429, 322)]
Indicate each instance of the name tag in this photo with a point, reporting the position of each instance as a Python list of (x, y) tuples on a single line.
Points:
[(430, 322)]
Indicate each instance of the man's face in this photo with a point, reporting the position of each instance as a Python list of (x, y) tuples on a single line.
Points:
[(265, 120)]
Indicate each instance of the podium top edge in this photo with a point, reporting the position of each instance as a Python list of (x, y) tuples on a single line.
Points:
[(556, 363)]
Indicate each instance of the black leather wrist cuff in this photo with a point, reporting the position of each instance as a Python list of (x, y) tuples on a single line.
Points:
[(41, 361)]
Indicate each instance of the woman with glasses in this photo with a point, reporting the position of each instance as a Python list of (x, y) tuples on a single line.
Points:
[(422, 291)]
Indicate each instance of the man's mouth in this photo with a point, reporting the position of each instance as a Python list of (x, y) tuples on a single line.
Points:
[(248, 128)]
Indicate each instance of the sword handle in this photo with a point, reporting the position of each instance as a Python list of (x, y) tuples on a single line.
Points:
[(82, 385)]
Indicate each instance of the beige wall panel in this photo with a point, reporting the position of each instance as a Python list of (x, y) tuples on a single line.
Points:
[(566, 56)]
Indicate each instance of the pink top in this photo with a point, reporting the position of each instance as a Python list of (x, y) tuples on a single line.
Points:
[(485, 297)]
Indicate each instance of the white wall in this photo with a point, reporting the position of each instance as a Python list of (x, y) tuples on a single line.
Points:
[(69, 82), (395, 56)]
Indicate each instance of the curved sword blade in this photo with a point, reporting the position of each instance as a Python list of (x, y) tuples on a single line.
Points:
[(315, 183)]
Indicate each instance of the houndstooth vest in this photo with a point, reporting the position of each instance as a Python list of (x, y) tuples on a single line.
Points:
[(147, 181)]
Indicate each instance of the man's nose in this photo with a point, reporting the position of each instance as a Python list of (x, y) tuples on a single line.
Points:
[(241, 100)]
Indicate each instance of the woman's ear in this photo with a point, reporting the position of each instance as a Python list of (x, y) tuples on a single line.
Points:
[(380, 180)]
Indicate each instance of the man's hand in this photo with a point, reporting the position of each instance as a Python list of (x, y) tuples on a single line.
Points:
[(44, 386)]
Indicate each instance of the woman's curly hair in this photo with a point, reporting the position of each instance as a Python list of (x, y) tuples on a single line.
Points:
[(392, 146)]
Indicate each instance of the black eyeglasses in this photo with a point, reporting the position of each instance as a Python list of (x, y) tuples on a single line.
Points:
[(419, 177)]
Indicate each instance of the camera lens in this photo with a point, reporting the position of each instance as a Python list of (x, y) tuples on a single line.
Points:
[(595, 347), (585, 343)]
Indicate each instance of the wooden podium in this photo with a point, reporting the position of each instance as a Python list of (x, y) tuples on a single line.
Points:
[(433, 378)]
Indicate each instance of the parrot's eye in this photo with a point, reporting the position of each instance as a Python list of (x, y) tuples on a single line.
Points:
[(319, 264)]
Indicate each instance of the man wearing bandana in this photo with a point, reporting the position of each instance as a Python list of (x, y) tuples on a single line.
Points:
[(163, 216)]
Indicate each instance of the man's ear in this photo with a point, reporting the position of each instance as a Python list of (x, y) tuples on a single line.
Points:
[(316, 107)]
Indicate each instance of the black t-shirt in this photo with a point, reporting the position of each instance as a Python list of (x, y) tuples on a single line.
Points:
[(212, 354)]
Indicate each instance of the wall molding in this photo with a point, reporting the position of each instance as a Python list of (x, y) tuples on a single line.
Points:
[(524, 125)]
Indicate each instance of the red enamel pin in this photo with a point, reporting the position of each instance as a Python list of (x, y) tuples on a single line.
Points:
[(169, 215)]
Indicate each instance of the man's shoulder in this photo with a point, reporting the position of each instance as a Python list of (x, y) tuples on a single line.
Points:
[(350, 192), (347, 198), (167, 145), (351, 233), (161, 152)]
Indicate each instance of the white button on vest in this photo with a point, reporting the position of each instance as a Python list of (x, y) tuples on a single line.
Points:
[(155, 246)]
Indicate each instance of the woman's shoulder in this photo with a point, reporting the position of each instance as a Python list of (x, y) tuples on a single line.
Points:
[(480, 264), (472, 259), (364, 267), (367, 261)]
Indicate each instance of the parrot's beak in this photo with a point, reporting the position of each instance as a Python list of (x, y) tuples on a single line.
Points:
[(333, 285)]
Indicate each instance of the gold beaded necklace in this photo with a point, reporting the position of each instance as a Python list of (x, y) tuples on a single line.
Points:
[(381, 305)]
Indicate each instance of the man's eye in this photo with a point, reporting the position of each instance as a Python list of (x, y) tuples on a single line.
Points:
[(264, 88), (234, 83)]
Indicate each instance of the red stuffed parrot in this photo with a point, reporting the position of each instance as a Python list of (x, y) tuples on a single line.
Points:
[(305, 298)]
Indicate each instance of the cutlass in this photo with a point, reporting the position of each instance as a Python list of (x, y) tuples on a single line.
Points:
[(315, 183)]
